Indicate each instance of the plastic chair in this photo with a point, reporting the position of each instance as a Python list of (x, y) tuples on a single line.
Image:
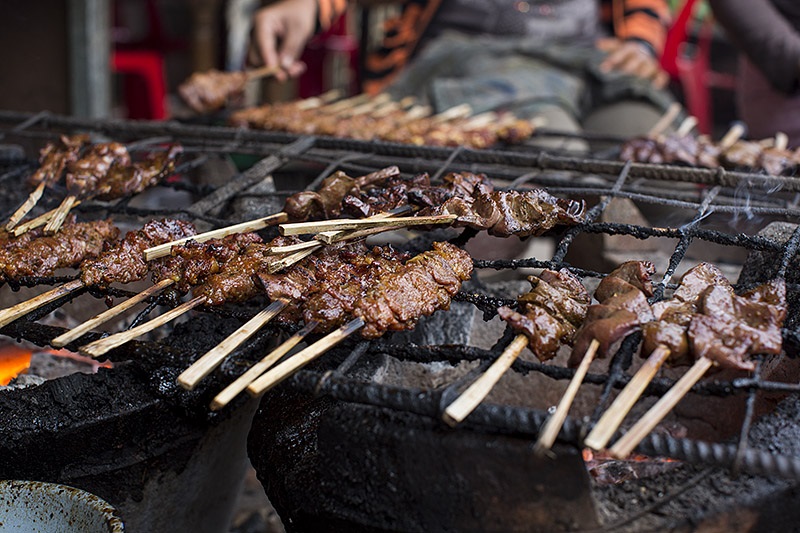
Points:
[(144, 86), (693, 71)]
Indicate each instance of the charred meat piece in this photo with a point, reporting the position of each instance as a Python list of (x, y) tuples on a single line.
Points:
[(125, 262), (128, 179), (55, 157), (672, 149), (327, 202), (673, 316), (550, 313), (424, 284), (75, 243), (189, 264), (210, 90), (731, 327), (623, 308), (84, 175)]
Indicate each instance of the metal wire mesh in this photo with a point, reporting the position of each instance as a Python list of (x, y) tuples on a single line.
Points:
[(701, 193)]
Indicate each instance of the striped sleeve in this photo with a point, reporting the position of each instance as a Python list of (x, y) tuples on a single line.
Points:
[(645, 21), (329, 11)]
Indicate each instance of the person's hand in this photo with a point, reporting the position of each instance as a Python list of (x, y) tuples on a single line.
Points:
[(280, 32), (630, 57)]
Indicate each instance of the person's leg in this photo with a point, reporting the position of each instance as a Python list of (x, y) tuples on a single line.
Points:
[(627, 118)]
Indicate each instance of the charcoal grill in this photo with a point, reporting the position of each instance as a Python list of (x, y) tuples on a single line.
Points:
[(758, 457)]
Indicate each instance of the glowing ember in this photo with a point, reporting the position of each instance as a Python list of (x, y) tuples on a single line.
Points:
[(13, 361), (607, 470)]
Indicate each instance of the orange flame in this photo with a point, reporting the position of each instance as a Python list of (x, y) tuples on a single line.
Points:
[(13, 361)]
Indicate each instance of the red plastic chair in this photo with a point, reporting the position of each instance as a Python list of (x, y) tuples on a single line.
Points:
[(693, 71), (144, 85)]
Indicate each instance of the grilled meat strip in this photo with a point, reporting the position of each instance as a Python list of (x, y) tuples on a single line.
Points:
[(85, 174), (427, 282), (550, 313), (623, 308), (44, 255), (55, 157), (128, 179), (210, 90), (191, 263), (327, 202), (125, 262)]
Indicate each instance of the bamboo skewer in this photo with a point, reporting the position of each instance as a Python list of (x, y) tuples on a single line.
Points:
[(666, 119), (261, 72), (302, 358), (41, 220), (781, 141), (730, 138), (292, 248), (26, 206), (23, 308), (190, 377), (289, 260), (458, 410), (57, 220), (628, 442), (101, 346), (610, 421), (105, 316), (252, 225), (232, 391), (303, 228), (553, 425), (455, 112), (686, 126)]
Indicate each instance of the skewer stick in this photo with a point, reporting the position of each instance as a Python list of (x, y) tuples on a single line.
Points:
[(666, 119), (415, 113), (302, 358), (613, 417), (459, 111), (303, 228), (12, 313), (105, 316), (781, 141), (686, 126), (190, 377), (292, 248), (25, 208), (252, 225), (261, 72), (730, 138), (232, 391), (330, 237), (286, 262), (553, 425), (41, 220), (626, 444), (60, 215), (347, 103), (480, 388), (101, 346)]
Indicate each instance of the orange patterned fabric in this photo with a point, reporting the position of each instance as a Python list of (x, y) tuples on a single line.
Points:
[(642, 20)]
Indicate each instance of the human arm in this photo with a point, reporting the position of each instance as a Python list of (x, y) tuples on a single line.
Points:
[(765, 36), (640, 30), (281, 30)]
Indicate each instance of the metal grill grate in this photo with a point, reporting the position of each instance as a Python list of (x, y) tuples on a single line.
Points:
[(716, 192)]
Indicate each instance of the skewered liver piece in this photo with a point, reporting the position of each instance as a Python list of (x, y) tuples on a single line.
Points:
[(672, 317), (125, 262), (210, 90), (84, 175), (44, 255), (427, 282), (550, 313), (55, 157), (731, 327), (128, 179), (623, 308), (327, 202)]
